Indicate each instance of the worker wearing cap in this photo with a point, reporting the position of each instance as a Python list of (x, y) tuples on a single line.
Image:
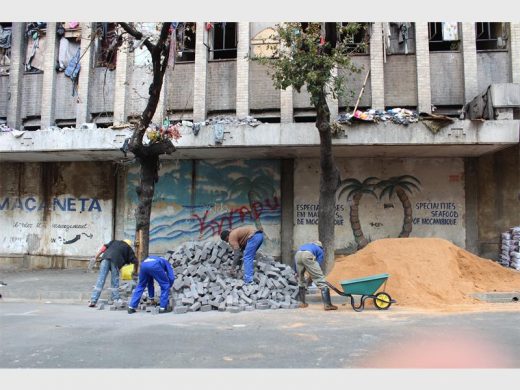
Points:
[(158, 268), (309, 257), (114, 255), (247, 239)]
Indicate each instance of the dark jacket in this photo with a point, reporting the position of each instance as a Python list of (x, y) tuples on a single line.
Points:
[(119, 253)]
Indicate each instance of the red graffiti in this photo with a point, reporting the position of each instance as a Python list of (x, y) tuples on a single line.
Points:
[(218, 224)]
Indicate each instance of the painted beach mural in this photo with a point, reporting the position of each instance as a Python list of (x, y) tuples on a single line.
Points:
[(195, 200)]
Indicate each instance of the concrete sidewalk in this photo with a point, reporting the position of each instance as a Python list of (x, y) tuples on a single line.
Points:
[(74, 286), (50, 285)]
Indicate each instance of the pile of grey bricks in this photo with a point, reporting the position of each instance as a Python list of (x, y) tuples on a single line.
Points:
[(203, 281)]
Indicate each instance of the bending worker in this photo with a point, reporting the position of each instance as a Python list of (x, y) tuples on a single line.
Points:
[(309, 257), (114, 256), (247, 239), (158, 268)]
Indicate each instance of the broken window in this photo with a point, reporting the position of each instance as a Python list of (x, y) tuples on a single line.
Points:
[(443, 36), (35, 33), (106, 44), (356, 36), (491, 36), (223, 40), (399, 37), (185, 34), (5, 47)]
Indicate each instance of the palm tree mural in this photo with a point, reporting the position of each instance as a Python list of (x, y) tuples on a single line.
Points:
[(355, 191), (258, 189), (400, 185)]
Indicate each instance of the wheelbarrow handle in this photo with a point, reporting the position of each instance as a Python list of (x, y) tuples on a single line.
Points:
[(335, 289)]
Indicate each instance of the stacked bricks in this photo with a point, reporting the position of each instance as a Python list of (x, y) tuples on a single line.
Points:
[(203, 283)]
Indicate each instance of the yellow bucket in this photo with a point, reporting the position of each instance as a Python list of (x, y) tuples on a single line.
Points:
[(126, 272)]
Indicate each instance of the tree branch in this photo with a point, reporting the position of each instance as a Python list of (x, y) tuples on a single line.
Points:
[(137, 35)]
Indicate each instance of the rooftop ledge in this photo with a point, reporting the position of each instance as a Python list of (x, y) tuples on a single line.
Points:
[(462, 138)]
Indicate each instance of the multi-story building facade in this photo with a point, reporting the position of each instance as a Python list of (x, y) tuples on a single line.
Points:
[(66, 187)]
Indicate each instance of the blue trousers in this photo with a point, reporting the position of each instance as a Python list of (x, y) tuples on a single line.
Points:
[(249, 255), (149, 271), (105, 267)]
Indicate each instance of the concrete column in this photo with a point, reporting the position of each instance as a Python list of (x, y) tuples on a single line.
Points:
[(422, 55), (49, 77), (200, 78), (287, 190), (16, 69), (331, 101), (242, 98), (471, 204), (82, 108), (286, 105), (377, 73), (469, 54), (515, 52), (121, 76)]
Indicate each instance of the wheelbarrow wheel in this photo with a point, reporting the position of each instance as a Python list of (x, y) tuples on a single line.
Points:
[(382, 301)]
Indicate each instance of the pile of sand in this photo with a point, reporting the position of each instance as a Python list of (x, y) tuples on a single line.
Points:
[(426, 272)]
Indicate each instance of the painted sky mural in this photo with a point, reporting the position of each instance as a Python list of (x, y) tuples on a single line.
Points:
[(195, 200)]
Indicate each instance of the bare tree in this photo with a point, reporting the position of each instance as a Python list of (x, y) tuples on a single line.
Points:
[(147, 153)]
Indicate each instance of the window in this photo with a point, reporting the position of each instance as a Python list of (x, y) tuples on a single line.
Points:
[(443, 36), (5, 47), (265, 43), (185, 34), (491, 36), (35, 35), (357, 41), (106, 44), (222, 40), (399, 38)]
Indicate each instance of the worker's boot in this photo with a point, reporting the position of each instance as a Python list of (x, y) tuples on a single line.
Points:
[(325, 296), (301, 294)]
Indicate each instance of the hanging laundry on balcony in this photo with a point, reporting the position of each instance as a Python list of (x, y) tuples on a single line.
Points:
[(35, 35), (73, 69), (66, 52)]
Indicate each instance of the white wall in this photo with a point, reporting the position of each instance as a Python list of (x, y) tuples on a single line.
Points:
[(440, 200)]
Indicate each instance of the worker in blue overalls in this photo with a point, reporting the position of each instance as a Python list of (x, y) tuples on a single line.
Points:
[(158, 268)]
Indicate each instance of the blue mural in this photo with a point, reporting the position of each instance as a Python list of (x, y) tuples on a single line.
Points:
[(195, 200)]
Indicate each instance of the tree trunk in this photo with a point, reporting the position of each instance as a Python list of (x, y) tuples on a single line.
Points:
[(147, 178), (329, 182), (148, 155)]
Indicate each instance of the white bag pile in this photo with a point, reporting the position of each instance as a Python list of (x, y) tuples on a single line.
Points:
[(510, 248)]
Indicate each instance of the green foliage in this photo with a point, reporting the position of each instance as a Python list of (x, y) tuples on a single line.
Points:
[(304, 57)]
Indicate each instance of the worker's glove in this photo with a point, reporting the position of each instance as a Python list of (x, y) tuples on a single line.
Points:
[(236, 258)]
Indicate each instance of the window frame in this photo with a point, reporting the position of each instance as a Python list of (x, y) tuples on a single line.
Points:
[(211, 46)]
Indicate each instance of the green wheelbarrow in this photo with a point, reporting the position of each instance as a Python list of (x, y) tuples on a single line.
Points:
[(366, 287)]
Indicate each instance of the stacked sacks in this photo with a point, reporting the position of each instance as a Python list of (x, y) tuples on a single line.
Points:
[(515, 248), (510, 248), (202, 282)]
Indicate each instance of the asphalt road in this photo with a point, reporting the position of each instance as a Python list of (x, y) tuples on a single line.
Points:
[(39, 335)]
